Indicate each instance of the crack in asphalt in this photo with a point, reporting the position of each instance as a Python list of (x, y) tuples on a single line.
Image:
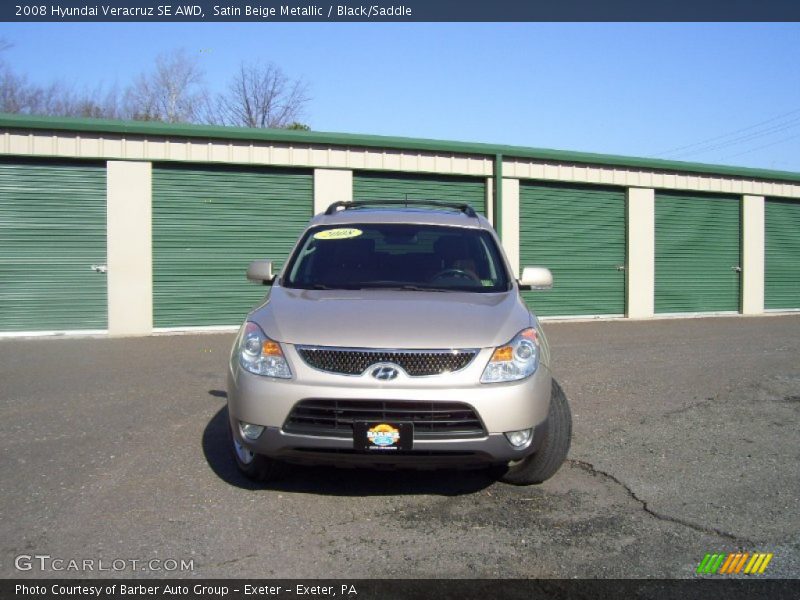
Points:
[(691, 406), (233, 560), (590, 468)]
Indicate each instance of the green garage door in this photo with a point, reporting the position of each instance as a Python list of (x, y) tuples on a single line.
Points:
[(208, 224), (782, 276), (579, 234), (52, 230), (697, 253), (379, 186)]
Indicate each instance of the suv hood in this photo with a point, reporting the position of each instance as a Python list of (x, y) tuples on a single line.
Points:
[(391, 319)]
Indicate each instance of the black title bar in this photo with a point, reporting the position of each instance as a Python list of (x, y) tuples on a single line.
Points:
[(398, 10), (401, 589)]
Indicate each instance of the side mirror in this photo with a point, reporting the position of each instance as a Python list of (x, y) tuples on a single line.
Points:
[(260, 271), (536, 278)]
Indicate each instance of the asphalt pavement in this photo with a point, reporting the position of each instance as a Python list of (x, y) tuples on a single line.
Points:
[(685, 442)]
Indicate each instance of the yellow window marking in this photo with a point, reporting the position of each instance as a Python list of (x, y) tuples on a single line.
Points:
[(341, 233)]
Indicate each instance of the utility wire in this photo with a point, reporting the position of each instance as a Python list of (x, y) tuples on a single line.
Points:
[(792, 137), (726, 135), (779, 128)]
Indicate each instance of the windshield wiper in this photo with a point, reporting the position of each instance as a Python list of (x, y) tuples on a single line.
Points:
[(391, 285), (319, 286), (380, 285), (322, 286)]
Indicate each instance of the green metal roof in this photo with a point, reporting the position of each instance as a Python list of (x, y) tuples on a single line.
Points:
[(144, 128)]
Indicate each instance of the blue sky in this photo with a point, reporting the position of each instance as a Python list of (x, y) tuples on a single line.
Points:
[(632, 89)]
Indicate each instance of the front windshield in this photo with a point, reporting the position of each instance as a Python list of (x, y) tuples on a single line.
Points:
[(412, 257)]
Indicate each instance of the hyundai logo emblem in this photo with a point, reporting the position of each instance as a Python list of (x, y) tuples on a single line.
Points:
[(384, 373)]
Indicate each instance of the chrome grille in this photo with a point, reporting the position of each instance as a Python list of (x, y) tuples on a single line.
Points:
[(417, 363), (329, 417)]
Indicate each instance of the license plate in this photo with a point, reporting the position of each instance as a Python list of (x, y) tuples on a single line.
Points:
[(382, 437)]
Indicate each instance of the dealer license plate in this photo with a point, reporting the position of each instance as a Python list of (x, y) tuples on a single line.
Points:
[(380, 436)]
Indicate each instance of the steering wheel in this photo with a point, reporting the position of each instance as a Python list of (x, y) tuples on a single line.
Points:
[(456, 274)]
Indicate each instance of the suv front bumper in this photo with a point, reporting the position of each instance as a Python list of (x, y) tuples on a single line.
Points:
[(501, 407), (427, 454)]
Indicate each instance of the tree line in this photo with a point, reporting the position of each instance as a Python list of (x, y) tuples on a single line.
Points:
[(173, 90)]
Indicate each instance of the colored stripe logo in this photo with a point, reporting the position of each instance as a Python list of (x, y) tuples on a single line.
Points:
[(734, 563)]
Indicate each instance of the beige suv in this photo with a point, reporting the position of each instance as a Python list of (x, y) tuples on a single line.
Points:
[(396, 336)]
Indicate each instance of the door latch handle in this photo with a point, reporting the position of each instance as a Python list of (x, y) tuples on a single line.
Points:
[(737, 269), (620, 267), (99, 268)]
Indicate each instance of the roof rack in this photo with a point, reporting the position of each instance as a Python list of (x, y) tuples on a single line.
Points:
[(459, 206)]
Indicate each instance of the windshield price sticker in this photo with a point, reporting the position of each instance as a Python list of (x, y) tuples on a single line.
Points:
[(337, 234)]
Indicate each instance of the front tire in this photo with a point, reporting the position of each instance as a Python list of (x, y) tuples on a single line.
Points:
[(256, 467), (553, 448)]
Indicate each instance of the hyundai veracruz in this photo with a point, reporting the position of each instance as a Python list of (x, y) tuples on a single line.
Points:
[(395, 336)]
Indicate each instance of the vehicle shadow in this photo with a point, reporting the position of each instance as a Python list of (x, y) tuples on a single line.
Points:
[(334, 481)]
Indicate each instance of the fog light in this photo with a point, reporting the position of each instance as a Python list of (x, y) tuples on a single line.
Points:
[(250, 431), (519, 439)]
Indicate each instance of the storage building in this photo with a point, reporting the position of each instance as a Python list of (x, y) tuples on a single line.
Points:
[(129, 228)]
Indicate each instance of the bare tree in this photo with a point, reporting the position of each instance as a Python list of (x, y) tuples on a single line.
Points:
[(173, 92), (95, 104), (14, 91), (260, 95), (19, 95), (14, 88)]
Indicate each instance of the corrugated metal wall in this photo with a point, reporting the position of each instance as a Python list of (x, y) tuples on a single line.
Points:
[(578, 232), (52, 230), (208, 225), (398, 186), (782, 254), (697, 253), (210, 220)]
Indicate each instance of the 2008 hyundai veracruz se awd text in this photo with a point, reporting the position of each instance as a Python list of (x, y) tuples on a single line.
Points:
[(396, 336)]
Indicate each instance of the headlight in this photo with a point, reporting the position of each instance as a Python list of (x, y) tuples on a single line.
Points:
[(260, 355), (516, 360)]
